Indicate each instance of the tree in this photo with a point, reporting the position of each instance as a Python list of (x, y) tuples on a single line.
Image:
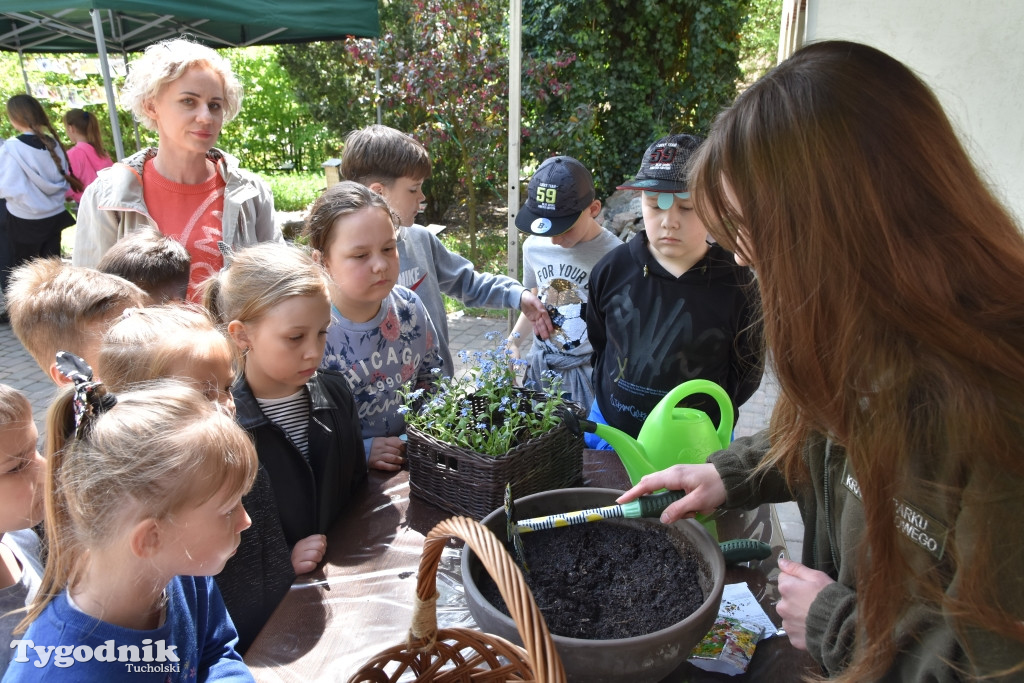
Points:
[(602, 79), (642, 69), (274, 129), (455, 69), (443, 70), (334, 86), (759, 42)]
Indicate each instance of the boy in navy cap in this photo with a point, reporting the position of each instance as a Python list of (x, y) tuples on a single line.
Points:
[(565, 243), (668, 306)]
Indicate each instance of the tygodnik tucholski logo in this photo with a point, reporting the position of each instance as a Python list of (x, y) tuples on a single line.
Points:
[(151, 657)]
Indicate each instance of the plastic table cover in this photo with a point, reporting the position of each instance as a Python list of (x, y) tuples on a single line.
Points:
[(359, 602)]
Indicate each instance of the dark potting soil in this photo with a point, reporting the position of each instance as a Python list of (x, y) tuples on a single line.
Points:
[(604, 580)]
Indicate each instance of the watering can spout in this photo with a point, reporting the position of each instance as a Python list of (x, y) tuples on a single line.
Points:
[(630, 451)]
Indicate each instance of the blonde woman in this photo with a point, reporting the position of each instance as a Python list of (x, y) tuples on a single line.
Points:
[(185, 187)]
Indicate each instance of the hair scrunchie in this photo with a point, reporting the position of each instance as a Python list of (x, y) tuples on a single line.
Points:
[(91, 398)]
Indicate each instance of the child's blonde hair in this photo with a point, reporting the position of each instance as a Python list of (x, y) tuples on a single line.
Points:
[(380, 154), (150, 343), (260, 277), (14, 406), (158, 450), (167, 61), (341, 199), (50, 303)]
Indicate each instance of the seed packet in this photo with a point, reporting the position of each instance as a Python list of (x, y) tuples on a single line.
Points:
[(729, 645), (727, 648)]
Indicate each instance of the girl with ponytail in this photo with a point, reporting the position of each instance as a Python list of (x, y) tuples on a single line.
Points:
[(88, 157), (143, 505), (34, 177)]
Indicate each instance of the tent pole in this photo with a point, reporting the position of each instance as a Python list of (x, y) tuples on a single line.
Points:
[(515, 39), (117, 30), (101, 47), (25, 74), (376, 74)]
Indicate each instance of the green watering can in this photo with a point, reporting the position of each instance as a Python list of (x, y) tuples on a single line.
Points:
[(671, 435)]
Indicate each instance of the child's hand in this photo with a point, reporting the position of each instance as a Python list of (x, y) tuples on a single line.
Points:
[(387, 453), (534, 309), (308, 552)]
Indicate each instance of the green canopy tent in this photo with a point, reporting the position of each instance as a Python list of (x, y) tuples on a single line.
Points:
[(96, 26)]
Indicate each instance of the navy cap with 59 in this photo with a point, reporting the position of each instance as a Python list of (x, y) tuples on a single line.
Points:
[(560, 190), (664, 166)]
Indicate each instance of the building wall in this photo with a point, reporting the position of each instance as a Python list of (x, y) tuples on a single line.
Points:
[(970, 53)]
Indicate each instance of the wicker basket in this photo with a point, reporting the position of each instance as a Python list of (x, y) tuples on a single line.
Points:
[(464, 482), (460, 655)]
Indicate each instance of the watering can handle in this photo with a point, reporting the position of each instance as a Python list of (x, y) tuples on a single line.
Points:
[(703, 386)]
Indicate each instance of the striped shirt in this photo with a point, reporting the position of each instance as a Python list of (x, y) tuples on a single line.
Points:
[(291, 414)]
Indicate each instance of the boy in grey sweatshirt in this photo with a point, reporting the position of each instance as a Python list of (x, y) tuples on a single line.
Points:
[(395, 165)]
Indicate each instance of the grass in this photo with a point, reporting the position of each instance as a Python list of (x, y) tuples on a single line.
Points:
[(294, 191)]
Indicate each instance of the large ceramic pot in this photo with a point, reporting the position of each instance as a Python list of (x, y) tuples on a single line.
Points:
[(649, 657)]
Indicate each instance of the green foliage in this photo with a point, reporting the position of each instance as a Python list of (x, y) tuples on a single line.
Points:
[(487, 414), (12, 82), (294, 191), (443, 78), (449, 74), (759, 42), (274, 129), (640, 70), (336, 89)]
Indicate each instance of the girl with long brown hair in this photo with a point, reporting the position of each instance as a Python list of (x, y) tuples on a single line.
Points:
[(34, 176), (893, 291), (88, 157)]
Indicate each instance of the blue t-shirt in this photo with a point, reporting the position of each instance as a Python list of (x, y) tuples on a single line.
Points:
[(195, 642)]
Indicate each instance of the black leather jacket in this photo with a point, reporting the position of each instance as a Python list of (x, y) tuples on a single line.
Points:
[(310, 494)]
